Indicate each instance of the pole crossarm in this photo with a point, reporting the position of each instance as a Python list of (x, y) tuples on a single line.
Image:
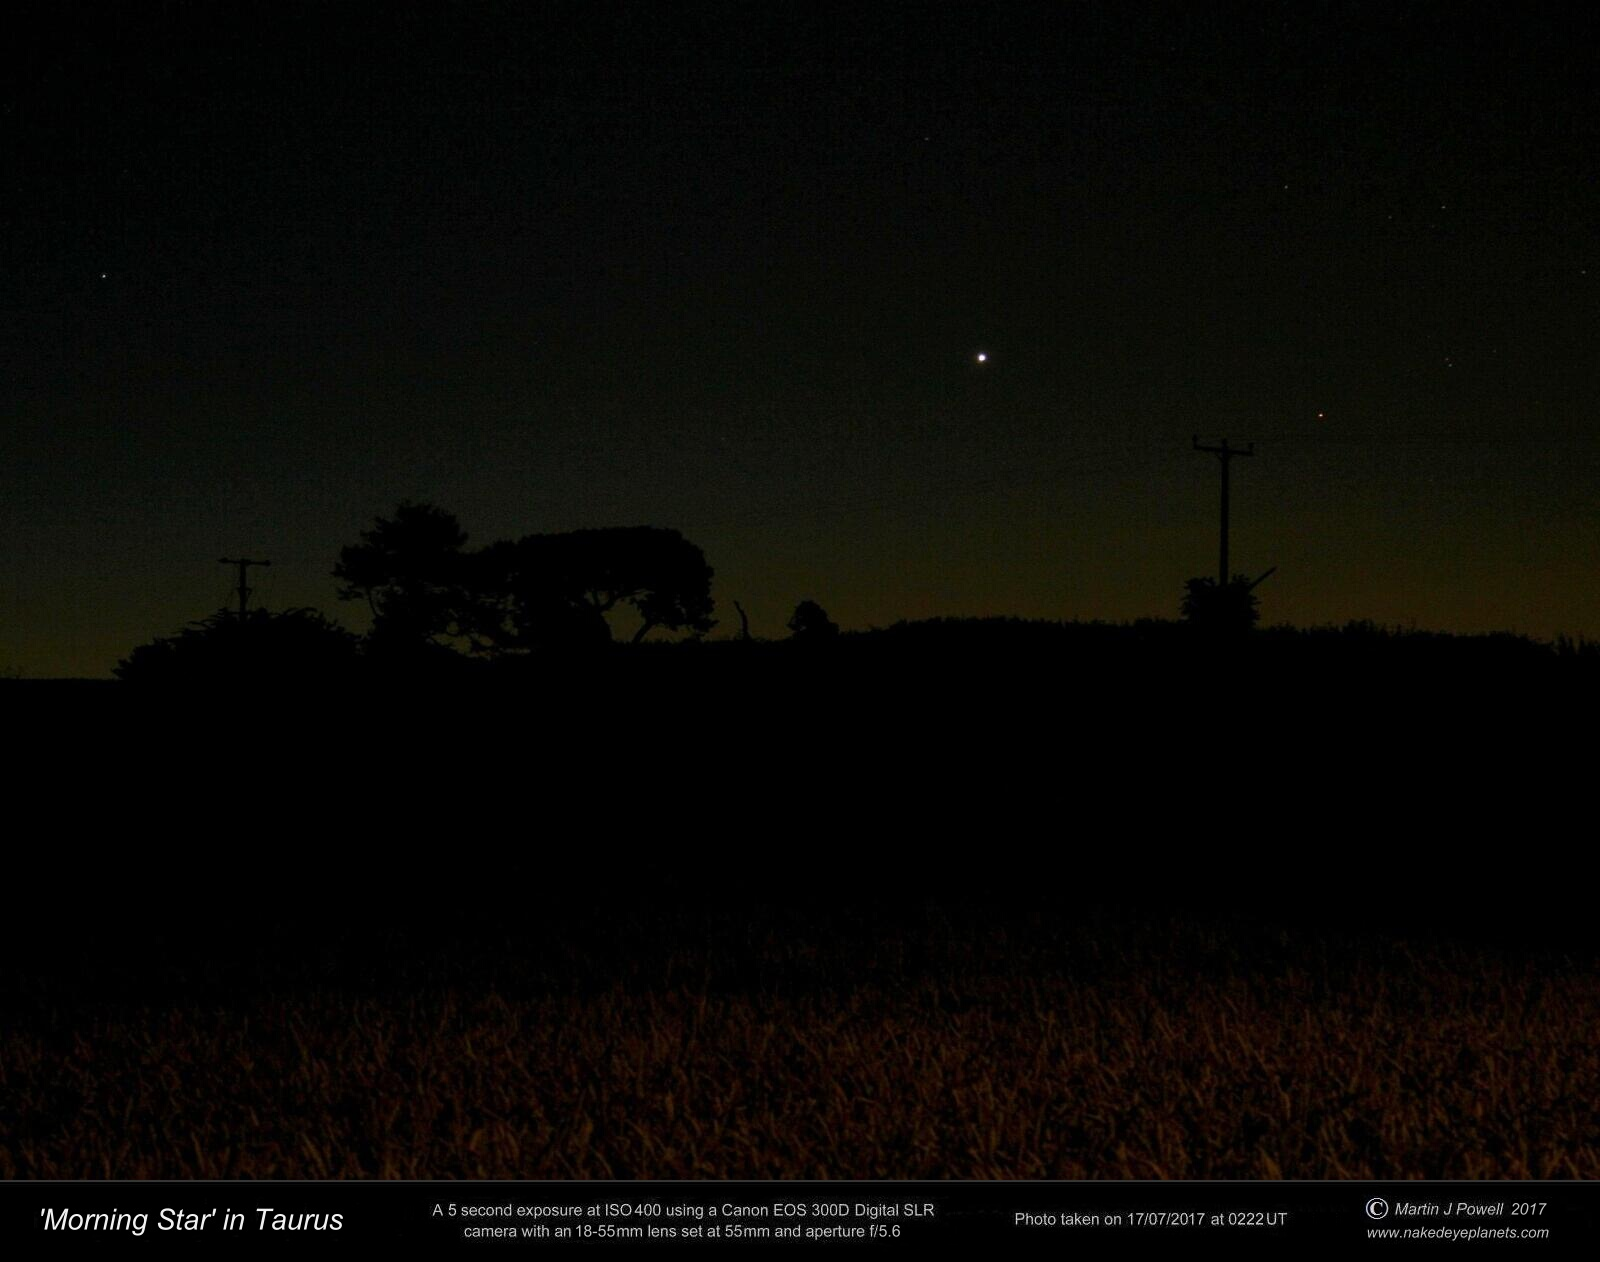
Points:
[(1226, 452), (244, 564)]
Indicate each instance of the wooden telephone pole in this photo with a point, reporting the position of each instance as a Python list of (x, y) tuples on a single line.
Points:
[(1225, 455)]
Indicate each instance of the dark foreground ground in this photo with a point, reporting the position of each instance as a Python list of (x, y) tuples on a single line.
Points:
[(997, 914)]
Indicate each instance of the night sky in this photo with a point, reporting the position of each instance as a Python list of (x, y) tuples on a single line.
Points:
[(270, 269)]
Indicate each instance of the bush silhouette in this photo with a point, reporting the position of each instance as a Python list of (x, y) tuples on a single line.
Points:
[(293, 647), (1234, 608), (811, 622)]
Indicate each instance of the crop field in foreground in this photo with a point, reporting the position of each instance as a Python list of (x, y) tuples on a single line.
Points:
[(791, 1043)]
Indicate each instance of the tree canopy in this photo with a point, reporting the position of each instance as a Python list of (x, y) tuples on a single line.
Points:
[(558, 588), (411, 572), (537, 592)]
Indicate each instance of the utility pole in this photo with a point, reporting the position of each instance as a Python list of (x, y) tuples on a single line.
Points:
[(1225, 455), (244, 563)]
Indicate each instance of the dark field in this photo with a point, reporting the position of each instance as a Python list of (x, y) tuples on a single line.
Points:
[(901, 1040), (1013, 912)]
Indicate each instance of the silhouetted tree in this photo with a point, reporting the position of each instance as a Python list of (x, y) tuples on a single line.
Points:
[(558, 588), (292, 647), (1227, 609), (811, 622), (412, 573), (424, 588), (527, 598)]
